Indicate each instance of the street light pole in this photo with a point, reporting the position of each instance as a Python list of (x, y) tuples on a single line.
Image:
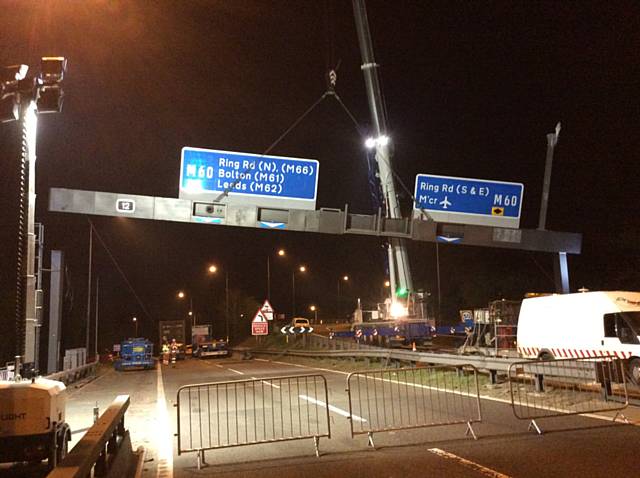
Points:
[(281, 253), (293, 294), (345, 279), (226, 301), (212, 270), (293, 290), (135, 322)]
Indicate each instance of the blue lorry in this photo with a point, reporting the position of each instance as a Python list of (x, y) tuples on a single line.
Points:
[(135, 354)]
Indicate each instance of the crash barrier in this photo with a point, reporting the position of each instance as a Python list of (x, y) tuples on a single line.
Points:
[(248, 412), (7, 373), (336, 343), (75, 374), (104, 450), (405, 398), (552, 388)]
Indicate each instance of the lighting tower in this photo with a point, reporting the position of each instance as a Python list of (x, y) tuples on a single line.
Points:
[(399, 271), (22, 98)]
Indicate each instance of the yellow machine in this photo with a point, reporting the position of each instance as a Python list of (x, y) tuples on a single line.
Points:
[(32, 421)]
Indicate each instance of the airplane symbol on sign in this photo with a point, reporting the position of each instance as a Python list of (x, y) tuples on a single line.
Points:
[(445, 203)]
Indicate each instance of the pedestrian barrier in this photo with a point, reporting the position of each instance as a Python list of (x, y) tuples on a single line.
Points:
[(405, 398), (552, 388), (248, 412)]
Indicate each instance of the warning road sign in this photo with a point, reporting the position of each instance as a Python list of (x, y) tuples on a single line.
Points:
[(267, 310), (259, 317)]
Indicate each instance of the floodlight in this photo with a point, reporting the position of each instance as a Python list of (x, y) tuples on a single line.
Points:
[(50, 99), (11, 75), (382, 140), (9, 110), (52, 69), (398, 310)]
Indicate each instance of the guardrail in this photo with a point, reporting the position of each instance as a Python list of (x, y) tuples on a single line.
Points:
[(543, 389), (406, 398), (6, 374), (488, 363), (104, 450), (249, 412), (74, 374)]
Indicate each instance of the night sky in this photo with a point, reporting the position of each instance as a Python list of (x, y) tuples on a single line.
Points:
[(471, 88)]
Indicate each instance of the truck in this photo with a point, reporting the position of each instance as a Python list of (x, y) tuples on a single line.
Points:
[(171, 330), (211, 348), (135, 354), (32, 421), (582, 325), (391, 333)]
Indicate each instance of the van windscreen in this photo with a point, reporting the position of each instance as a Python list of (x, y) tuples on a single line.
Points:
[(633, 319)]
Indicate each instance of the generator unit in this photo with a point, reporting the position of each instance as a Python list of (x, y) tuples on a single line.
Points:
[(32, 421)]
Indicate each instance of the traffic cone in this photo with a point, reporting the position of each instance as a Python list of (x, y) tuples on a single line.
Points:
[(413, 346)]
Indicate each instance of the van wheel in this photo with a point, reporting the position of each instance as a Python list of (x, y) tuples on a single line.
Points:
[(634, 371), (546, 356)]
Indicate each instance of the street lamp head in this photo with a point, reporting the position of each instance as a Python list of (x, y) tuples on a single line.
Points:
[(281, 252), (135, 319), (213, 269), (387, 283), (302, 269), (50, 99), (180, 295), (312, 308), (52, 69), (345, 278)]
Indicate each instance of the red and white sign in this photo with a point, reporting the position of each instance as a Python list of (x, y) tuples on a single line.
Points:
[(259, 324), (267, 310), (259, 328)]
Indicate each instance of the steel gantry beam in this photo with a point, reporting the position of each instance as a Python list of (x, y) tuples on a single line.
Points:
[(324, 220)]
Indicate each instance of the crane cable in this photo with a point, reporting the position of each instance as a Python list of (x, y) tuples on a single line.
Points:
[(115, 262)]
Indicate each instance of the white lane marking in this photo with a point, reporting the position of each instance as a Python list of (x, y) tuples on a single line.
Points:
[(333, 409), (267, 383), (236, 371), (164, 435), (312, 368), (469, 464), (261, 360)]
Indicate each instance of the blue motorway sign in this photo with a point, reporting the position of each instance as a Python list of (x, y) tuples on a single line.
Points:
[(246, 177), (469, 201)]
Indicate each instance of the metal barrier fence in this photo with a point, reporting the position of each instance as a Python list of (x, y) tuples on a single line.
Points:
[(552, 388), (247, 412), (404, 398)]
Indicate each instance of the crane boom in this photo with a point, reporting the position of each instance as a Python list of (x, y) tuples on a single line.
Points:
[(399, 271)]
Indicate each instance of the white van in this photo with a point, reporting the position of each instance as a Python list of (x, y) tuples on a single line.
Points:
[(582, 325)]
